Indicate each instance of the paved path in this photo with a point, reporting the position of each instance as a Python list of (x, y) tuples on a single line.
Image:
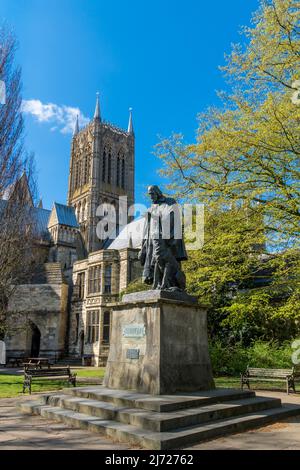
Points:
[(18, 431), (279, 436)]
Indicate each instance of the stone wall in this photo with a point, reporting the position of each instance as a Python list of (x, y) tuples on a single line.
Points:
[(125, 267), (38, 305)]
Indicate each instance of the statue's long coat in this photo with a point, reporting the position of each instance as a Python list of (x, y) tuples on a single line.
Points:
[(168, 212)]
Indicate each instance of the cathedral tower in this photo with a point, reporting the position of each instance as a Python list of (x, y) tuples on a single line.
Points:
[(101, 170)]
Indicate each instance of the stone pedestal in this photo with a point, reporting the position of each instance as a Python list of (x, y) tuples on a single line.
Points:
[(158, 345)]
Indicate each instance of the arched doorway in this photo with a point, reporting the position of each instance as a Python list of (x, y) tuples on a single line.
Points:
[(35, 340)]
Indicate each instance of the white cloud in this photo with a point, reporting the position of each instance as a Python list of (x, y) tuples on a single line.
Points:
[(61, 118)]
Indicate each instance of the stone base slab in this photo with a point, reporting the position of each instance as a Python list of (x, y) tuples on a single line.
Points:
[(131, 417)]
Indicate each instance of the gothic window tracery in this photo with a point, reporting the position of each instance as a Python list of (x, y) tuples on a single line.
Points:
[(118, 171), (109, 167), (85, 177), (123, 174), (104, 166), (120, 180), (76, 178), (79, 174)]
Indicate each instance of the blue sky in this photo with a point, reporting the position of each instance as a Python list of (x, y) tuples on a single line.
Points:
[(161, 57)]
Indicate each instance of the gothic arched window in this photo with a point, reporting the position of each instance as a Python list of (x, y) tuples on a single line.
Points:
[(123, 174), (79, 174), (118, 171), (109, 167), (76, 176), (86, 170), (104, 166)]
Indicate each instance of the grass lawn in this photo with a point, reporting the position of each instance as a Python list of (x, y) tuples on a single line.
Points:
[(90, 372), (11, 385)]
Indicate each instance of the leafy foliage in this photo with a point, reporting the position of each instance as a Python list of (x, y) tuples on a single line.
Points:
[(233, 360), (137, 285), (245, 167), (248, 149)]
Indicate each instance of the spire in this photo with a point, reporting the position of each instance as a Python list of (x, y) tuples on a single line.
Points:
[(40, 205), (130, 125), (76, 128), (97, 108)]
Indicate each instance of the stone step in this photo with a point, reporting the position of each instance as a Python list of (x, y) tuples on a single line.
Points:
[(163, 440), (166, 421), (161, 403)]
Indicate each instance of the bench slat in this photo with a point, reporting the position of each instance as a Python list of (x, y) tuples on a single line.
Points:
[(280, 376), (267, 379), (48, 375), (253, 369), (56, 372), (271, 375), (47, 372), (269, 372)]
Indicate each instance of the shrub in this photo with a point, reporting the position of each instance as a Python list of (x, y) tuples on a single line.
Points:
[(232, 360), (135, 286)]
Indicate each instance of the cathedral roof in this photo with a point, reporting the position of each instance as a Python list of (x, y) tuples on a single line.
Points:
[(40, 217), (64, 215), (130, 236), (19, 190)]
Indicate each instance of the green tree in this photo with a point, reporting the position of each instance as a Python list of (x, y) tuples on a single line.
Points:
[(244, 166), (248, 149)]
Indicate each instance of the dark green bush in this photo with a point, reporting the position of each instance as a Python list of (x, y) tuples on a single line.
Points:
[(232, 360), (136, 285)]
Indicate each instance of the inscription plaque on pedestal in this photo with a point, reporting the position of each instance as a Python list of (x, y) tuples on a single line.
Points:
[(134, 331), (133, 353)]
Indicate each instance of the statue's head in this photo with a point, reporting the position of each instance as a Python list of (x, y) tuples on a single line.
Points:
[(155, 193)]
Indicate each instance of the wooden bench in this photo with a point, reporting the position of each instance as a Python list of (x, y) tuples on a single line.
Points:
[(54, 372), (270, 375)]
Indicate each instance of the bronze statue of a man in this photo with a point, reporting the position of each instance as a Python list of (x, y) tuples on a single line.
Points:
[(163, 246)]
